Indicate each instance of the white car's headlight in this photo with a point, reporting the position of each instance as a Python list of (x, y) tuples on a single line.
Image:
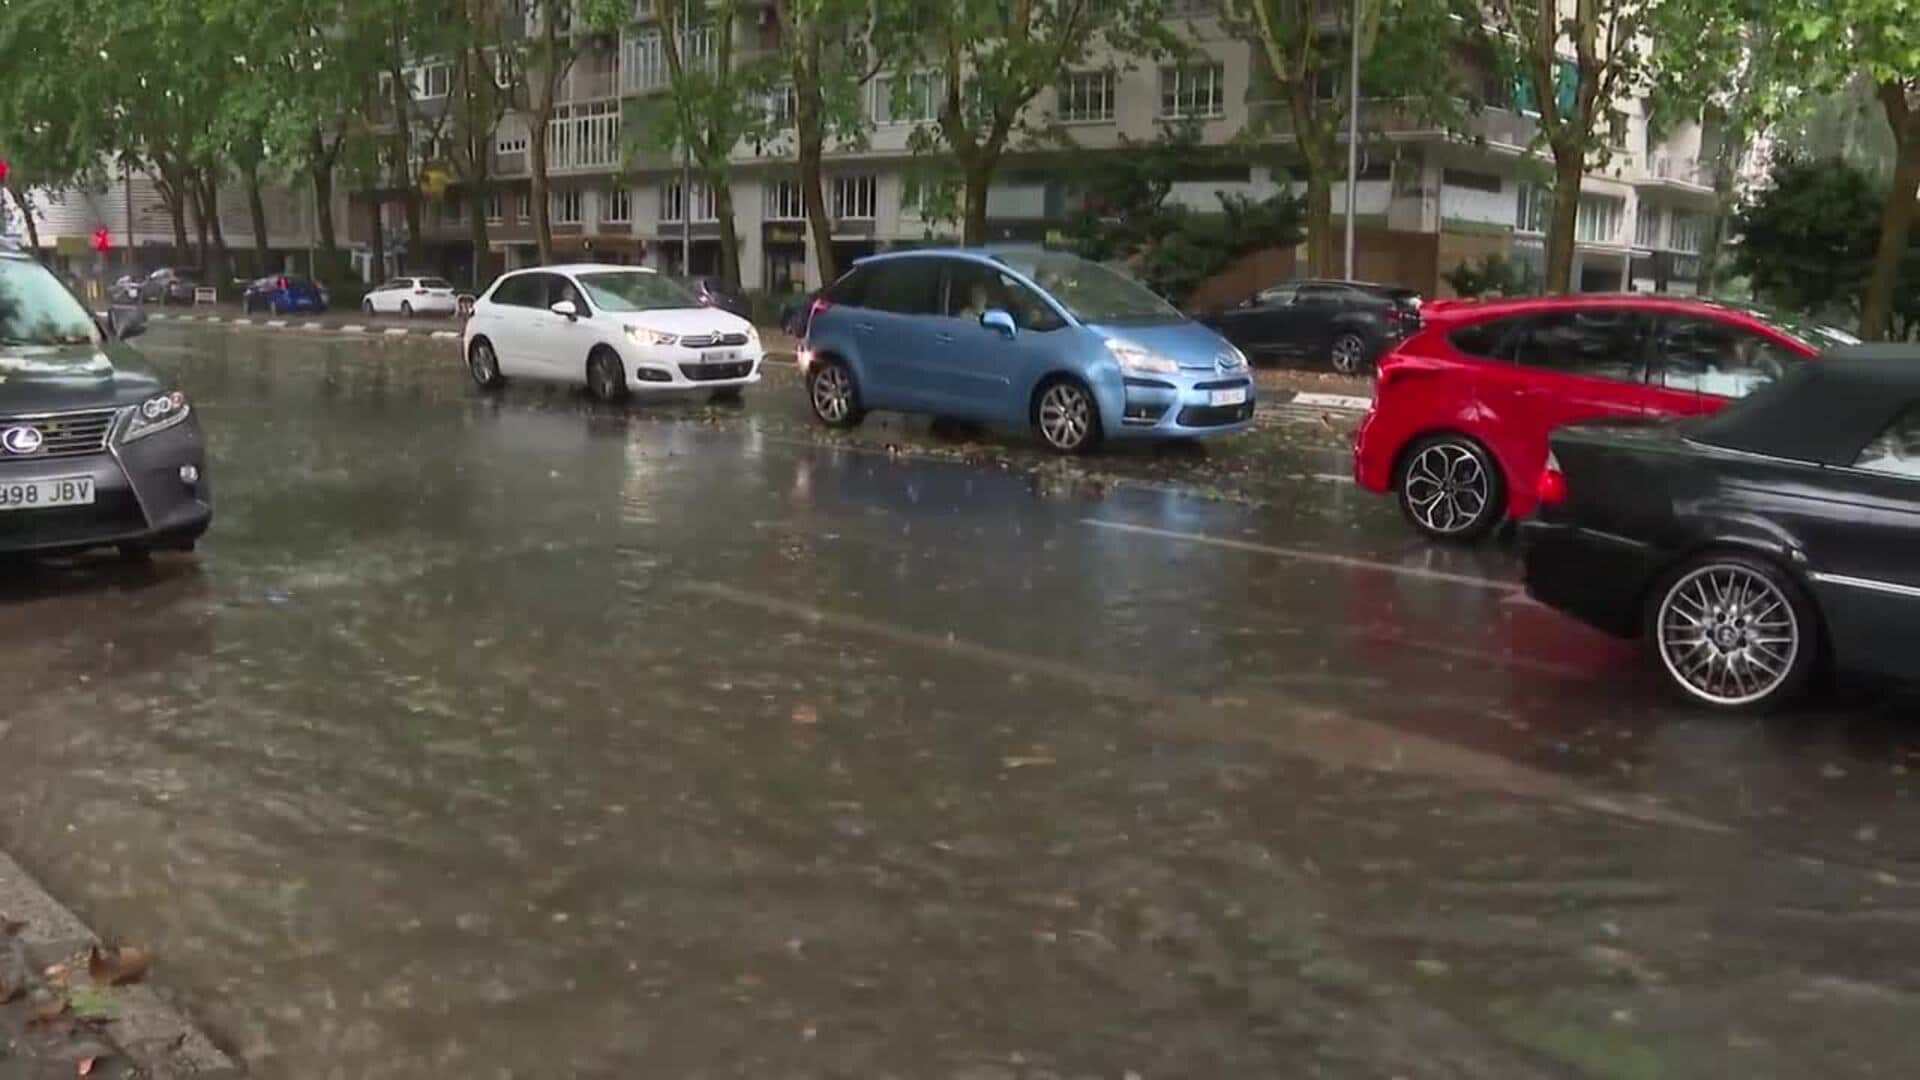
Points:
[(1132, 357), (640, 335), (753, 334), (156, 414)]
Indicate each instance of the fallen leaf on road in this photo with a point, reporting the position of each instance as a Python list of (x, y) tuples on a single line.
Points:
[(117, 965), (1024, 762), (805, 714), (85, 1066)]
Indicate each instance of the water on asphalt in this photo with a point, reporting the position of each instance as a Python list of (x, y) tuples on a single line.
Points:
[(521, 736)]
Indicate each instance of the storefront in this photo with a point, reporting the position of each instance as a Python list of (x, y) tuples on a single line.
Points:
[(784, 258)]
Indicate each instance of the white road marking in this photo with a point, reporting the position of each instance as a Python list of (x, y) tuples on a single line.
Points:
[(353, 328), (1325, 558), (446, 333), (1332, 477), (1332, 737), (276, 322), (309, 326), (1333, 401), (394, 331)]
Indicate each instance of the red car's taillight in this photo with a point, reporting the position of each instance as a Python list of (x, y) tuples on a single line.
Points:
[(281, 284), (1552, 490)]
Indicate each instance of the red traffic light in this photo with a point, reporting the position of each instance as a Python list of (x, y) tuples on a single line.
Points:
[(102, 241), (4, 170)]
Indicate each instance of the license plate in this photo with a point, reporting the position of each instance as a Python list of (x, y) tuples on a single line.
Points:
[(1235, 396), (719, 356), (45, 494)]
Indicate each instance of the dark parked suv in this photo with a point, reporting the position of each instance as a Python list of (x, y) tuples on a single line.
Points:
[(1350, 323)]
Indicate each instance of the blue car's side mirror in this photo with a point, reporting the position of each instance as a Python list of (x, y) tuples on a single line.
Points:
[(995, 319)]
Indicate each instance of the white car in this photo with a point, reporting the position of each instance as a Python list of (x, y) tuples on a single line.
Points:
[(613, 329), (411, 296)]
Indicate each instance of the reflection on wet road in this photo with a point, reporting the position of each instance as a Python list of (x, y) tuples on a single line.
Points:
[(522, 737)]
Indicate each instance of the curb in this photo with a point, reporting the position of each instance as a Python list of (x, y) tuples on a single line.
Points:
[(151, 1033), (347, 329)]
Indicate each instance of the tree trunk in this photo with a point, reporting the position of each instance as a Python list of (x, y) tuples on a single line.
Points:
[(1569, 167), (26, 214), (221, 270), (1320, 260), (202, 254), (257, 214), (819, 226), (1896, 221), (477, 236), (323, 210), (537, 177), (729, 239), (978, 176), (175, 201), (377, 240), (1725, 171)]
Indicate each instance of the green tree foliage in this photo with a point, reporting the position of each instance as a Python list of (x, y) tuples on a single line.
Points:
[(828, 56), (968, 69), (713, 104), (1829, 42), (1608, 60), (1808, 239), (1304, 47), (1493, 275)]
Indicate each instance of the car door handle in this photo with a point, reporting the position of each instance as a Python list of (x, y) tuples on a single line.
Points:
[(864, 327), (944, 339)]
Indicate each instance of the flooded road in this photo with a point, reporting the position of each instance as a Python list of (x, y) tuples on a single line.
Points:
[(522, 737)]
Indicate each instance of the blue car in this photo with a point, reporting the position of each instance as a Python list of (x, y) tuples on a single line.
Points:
[(281, 295), (1021, 338)]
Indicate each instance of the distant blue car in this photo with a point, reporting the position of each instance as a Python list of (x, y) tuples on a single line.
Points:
[(1019, 337), (281, 295)]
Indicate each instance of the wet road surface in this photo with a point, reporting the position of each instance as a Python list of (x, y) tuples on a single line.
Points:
[(520, 736)]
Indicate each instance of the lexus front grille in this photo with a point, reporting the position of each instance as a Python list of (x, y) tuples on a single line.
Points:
[(62, 435)]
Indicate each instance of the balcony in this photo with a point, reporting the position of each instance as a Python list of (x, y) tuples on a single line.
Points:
[(1687, 172), (584, 137), (1398, 117)]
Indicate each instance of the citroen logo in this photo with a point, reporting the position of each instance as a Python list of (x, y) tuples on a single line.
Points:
[(22, 440)]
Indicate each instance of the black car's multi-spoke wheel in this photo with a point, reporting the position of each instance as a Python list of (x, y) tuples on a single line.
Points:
[(833, 394), (1450, 489), (606, 377), (1734, 632), (1067, 417), (1349, 353), (484, 365)]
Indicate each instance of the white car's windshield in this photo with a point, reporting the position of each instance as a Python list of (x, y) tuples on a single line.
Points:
[(1092, 292), (35, 309), (633, 291)]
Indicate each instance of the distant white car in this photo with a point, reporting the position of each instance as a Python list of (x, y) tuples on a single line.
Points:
[(613, 329), (411, 296)]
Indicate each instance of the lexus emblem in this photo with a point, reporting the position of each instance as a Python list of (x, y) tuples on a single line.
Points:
[(22, 440)]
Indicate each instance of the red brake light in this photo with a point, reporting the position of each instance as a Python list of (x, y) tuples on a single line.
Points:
[(820, 304), (281, 285), (419, 292), (1552, 490)]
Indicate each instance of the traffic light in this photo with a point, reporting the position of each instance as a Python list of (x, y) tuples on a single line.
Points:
[(4, 170), (102, 241)]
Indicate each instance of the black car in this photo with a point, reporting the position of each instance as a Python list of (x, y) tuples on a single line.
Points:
[(794, 311), (94, 451), (1753, 546), (124, 290), (169, 285), (1349, 323), (713, 293)]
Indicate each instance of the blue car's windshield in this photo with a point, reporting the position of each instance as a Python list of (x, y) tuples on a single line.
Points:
[(1091, 292)]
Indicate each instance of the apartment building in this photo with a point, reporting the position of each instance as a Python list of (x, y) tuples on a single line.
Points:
[(1430, 195)]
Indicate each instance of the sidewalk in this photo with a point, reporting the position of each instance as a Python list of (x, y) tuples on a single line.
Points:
[(55, 1020)]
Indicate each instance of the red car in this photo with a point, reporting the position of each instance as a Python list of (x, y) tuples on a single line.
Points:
[(1462, 409)]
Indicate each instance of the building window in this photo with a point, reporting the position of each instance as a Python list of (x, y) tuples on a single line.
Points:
[(1533, 210), (427, 81), (1198, 90), (617, 204), (673, 204), (1617, 125), (783, 102), (784, 202), (493, 208), (1684, 233), (512, 142), (1468, 180), (917, 101), (523, 206), (564, 207), (642, 9), (1646, 226), (1598, 221), (1086, 96), (854, 197)]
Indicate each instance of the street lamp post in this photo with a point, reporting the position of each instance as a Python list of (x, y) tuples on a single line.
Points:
[(1353, 129), (686, 152)]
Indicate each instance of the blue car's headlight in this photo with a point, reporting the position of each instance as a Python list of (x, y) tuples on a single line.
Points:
[(154, 415), (1134, 358)]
